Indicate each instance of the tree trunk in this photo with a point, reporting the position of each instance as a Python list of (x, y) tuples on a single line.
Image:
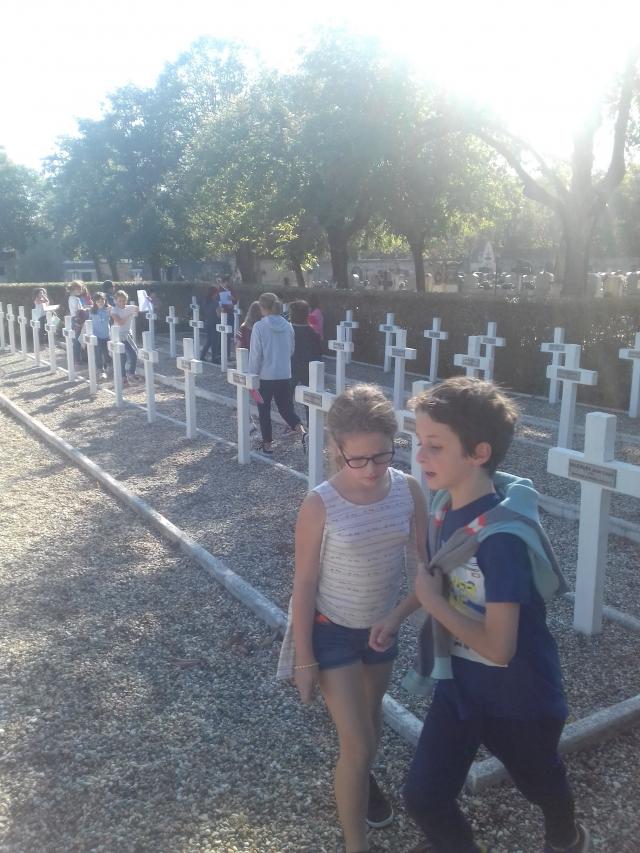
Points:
[(339, 256), (155, 268), (113, 266), (246, 262), (417, 250), (576, 243), (296, 266)]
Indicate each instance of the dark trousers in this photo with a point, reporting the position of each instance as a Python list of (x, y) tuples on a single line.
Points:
[(295, 382), (102, 354), (446, 749), (280, 391), (130, 354), (212, 342)]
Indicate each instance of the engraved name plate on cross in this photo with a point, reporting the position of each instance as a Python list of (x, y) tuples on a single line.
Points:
[(400, 352), (435, 335), (173, 321), (349, 324), (91, 342), (244, 383), (11, 318), (571, 375), (599, 476), (224, 329), (191, 368), (472, 361), (69, 335), (116, 348), (633, 355), (341, 347), (558, 349), (149, 357), (388, 329), (318, 402), (196, 324), (23, 322), (490, 342)]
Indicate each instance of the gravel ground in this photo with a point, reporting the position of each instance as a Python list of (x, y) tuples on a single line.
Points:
[(202, 489)]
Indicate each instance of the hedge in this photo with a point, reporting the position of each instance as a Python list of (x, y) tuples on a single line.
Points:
[(601, 326)]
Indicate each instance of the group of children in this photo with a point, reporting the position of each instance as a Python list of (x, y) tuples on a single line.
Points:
[(103, 309), (482, 571)]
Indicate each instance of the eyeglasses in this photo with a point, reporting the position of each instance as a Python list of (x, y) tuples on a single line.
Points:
[(362, 461)]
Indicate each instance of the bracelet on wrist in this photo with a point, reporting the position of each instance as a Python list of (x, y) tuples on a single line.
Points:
[(305, 665)]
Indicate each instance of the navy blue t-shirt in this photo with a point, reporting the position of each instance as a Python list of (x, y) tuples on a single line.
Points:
[(531, 685)]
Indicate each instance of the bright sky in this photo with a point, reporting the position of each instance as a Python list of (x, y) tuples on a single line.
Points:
[(538, 64)]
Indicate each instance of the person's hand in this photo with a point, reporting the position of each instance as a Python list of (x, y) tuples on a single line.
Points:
[(306, 681), (383, 634), (428, 587)]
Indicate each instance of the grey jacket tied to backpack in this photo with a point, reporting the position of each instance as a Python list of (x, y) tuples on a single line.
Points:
[(517, 514)]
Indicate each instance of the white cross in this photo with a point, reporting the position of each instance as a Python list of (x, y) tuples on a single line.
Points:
[(224, 330), (558, 350), (571, 375), (472, 361), (490, 342), (318, 402), (149, 357), (388, 328), (2, 336), (35, 330), (51, 326), (91, 342), (407, 424), (244, 382), (116, 348), (599, 476), (633, 354), (435, 335), (341, 347), (194, 302), (196, 324), (172, 320), (12, 329), (134, 328), (348, 324), (69, 336), (400, 352), (191, 367), (152, 317), (22, 322), (237, 313)]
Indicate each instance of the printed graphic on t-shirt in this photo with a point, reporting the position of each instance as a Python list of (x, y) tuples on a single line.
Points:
[(467, 596)]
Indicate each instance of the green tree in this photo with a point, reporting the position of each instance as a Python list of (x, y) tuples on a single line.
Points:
[(21, 198), (579, 201)]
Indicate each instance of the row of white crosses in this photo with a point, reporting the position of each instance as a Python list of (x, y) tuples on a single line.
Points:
[(600, 476)]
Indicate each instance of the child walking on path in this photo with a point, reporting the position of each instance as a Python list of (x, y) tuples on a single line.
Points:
[(272, 344), (352, 537), (243, 336), (487, 642), (122, 315), (99, 315), (78, 316), (308, 346)]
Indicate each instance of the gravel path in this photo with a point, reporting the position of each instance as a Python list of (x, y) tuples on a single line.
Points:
[(99, 623)]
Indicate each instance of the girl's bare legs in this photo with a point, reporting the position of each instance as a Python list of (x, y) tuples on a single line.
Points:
[(350, 692)]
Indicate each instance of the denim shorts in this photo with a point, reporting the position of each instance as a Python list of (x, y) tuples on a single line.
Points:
[(335, 646)]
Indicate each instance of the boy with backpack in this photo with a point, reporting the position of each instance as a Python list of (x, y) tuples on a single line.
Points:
[(485, 642)]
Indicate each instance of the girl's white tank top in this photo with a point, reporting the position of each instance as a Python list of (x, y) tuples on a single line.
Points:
[(362, 558)]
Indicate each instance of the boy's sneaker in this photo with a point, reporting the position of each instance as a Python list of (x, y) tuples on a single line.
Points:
[(379, 810), (287, 432), (581, 845), (103, 374), (266, 451)]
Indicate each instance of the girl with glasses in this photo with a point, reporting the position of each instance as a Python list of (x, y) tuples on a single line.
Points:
[(353, 535)]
